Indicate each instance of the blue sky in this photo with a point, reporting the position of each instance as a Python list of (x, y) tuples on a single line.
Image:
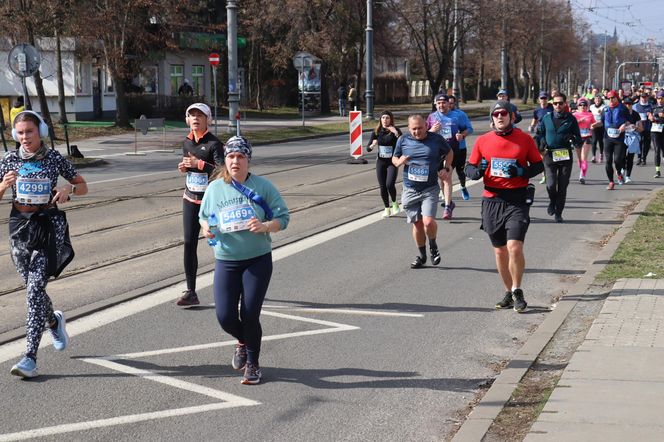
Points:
[(635, 20)]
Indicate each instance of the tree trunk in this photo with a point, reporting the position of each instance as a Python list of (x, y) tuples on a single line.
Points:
[(61, 83), (480, 78), (122, 110)]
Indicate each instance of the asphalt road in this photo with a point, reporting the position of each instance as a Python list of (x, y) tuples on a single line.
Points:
[(356, 345)]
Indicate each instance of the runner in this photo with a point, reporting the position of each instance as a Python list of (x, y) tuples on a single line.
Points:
[(426, 156), (505, 159), (544, 108), (559, 132), (248, 208), (462, 120), (656, 117), (633, 131), (643, 107), (585, 119), (597, 109), (201, 153), (439, 122), (504, 95), (385, 138), (32, 173), (614, 119)]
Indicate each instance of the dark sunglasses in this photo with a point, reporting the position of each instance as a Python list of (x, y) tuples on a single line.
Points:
[(558, 103), (500, 113), (582, 105)]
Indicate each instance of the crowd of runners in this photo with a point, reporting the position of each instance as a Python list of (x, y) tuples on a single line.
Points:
[(237, 210)]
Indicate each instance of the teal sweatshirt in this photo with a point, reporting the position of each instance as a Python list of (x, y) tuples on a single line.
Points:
[(233, 209)]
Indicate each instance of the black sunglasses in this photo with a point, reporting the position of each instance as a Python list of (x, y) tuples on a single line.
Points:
[(558, 103)]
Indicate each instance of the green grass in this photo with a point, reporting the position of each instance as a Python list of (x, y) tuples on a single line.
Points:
[(289, 132), (642, 250)]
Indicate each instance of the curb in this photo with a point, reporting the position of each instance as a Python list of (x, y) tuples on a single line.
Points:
[(484, 413)]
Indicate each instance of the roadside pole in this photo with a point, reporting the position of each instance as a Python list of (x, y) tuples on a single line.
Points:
[(355, 126), (213, 58)]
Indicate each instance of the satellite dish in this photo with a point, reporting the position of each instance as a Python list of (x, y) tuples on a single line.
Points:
[(24, 60)]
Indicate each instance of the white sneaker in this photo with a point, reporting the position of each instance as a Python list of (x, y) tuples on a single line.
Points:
[(386, 213), (395, 208), (628, 180)]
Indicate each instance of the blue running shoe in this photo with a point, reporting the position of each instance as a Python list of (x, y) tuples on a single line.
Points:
[(465, 194), (26, 368), (59, 333)]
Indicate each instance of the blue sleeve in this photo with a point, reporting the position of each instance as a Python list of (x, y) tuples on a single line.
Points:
[(469, 125), (277, 204), (398, 150)]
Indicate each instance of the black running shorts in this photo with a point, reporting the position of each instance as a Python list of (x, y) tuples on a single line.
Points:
[(504, 221)]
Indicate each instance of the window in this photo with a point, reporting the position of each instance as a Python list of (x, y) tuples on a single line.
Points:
[(83, 79), (177, 77), (197, 80)]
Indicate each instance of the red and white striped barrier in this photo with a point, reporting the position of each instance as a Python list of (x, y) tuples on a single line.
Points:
[(355, 121)]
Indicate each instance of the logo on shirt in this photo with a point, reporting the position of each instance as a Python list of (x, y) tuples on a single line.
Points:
[(28, 168)]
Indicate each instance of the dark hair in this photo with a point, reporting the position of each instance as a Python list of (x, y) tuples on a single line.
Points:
[(19, 101), (27, 116), (380, 124), (561, 95)]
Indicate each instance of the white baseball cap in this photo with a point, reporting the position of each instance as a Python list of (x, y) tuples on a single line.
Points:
[(201, 107)]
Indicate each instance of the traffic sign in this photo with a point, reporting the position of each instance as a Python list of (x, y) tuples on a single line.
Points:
[(355, 120), (213, 59)]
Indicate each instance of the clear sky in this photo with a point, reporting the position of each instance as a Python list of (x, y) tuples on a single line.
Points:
[(634, 20)]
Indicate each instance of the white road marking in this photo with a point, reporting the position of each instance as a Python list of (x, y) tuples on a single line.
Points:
[(120, 420), (345, 311)]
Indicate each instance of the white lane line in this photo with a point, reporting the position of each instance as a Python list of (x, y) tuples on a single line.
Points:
[(236, 401), (120, 420), (333, 327), (344, 311)]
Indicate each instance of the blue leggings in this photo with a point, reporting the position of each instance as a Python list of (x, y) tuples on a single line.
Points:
[(243, 282)]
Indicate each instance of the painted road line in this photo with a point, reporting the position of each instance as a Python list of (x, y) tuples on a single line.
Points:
[(344, 311)]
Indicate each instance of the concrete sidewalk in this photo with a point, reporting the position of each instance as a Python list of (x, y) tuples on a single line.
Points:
[(613, 387)]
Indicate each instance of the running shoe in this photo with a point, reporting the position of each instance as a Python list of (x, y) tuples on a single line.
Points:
[(239, 356), (582, 180), (543, 180), (559, 218), (447, 213), (26, 368), (386, 213), (188, 298), (657, 174), (601, 158), (519, 303), (506, 302), (593, 160), (419, 262), (610, 186), (395, 208), (628, 180), (551, 209), (252, 374), (621, 181), (464, 194), (59, 332), (435, 257)]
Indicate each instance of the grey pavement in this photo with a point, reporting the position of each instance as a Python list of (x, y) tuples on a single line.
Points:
[(613, 387)]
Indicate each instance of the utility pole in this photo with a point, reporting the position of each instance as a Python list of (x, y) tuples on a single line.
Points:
[(503, 55), (604, 65), (543, 85), (369, 93), (455, 53), (233, 92), (590, 58)]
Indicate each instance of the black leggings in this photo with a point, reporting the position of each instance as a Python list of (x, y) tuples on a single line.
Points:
[(598, 139), (244, 282), (386, 173), (614, 152), (557, 179), (459, 164), (192, 228), (645, 145), (658, 143)]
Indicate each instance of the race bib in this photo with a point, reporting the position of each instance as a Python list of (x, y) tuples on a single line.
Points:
[(585, 132), (33, 190), (613, 132), (657, 127), (235, 218), (643, 115), (385, 151), (500, 165), (418, 173), (197, 181), (446, 131), (560, 154)]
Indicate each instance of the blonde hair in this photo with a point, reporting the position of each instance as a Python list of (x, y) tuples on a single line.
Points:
[(221, 172)]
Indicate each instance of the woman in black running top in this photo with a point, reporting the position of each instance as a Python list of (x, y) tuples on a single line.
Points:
[(384, 138), (201, 153)]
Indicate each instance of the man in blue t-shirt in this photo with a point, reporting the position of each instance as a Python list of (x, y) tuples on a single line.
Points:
[(426, 157), (544, 108)]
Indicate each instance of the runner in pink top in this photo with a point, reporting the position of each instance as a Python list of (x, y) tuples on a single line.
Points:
[(585, 119)]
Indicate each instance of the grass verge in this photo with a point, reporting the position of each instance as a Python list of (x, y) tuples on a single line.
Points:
[(641, 253)]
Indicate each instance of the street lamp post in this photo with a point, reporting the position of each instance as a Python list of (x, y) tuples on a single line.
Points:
[(233, 92), (369, 93)]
